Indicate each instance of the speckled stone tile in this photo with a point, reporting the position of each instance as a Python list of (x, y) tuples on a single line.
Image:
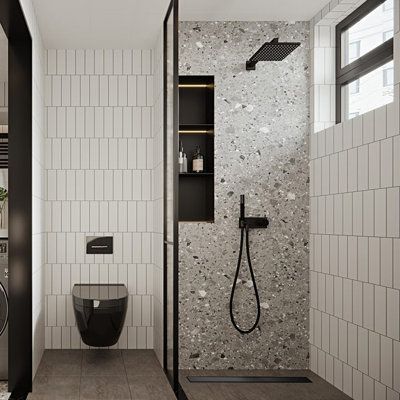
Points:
[(261, 150)]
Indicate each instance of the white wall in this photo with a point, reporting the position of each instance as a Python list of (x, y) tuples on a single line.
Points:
[(158, 188), (99, 161), (38, 185), (355, 233)]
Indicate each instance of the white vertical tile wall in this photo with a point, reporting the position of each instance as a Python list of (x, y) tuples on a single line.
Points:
[(99, 161), (158, 189), (363, 246), (38, 186)]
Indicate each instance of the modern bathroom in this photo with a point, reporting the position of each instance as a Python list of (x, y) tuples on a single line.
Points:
[(200, 200)]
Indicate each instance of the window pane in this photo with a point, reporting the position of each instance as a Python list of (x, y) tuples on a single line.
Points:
[(368, 33), (370, 91)]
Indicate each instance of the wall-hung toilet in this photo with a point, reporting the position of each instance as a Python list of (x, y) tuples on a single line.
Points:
[(100, 312)]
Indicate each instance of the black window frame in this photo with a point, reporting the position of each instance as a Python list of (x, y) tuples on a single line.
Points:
[(366, 63)]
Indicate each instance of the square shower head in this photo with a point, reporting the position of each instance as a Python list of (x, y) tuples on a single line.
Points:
[(271, 51)]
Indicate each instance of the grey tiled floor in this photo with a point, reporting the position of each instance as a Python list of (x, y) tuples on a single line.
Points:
[(100, 374)]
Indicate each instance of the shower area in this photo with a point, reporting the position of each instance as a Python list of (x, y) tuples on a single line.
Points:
[(253, 136), (261, 151)]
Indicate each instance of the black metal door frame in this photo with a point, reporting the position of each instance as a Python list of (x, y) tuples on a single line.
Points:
[(20, 197), (174, 380)]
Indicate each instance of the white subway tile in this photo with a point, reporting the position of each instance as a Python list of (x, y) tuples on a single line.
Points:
[(380, 212), (80, 62), (380, 123), (386, 262), (368, 127), (386, 361), (347, 300), (113, 90), (122, 90), (386, 163), (137, 62), (393, 212), (380, 309)]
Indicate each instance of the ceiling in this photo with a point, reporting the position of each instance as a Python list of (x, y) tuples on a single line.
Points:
[(137, 23)]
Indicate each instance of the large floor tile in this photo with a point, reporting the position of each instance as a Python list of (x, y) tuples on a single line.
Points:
[(150, 387), (102, 362), (104, 388), (141, 362), (60, 362), (55, 388)]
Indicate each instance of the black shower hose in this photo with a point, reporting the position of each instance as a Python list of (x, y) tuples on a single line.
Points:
[(244, 331)]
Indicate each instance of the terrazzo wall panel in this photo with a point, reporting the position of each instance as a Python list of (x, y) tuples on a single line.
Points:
[(261, 150)]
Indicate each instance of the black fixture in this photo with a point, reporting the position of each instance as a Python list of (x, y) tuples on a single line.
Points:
[(248, 379), (245, 224), (250, 222), (271, 51), (100, 312), (99, 245)]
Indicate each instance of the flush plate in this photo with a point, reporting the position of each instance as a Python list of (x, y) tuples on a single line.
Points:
[(99, 245)]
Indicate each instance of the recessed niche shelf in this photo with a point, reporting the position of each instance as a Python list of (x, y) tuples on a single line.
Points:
[(196, 128), (196, 174)]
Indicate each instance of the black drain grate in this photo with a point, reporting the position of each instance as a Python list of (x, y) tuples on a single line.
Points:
[(248, 379)]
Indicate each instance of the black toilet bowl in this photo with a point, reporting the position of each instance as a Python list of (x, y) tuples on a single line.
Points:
[(100, 312)]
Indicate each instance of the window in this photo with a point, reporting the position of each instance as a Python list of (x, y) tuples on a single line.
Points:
[(354, 51), (354, 87), (388, 77), (388, 5), (387, 35), (364, 54)]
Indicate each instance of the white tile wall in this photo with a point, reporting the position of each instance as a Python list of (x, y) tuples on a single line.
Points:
[(99, 161), (364, 246)]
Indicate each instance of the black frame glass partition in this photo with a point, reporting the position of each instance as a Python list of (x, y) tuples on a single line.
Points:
[(375, 58), (171, 170), (20, 197)]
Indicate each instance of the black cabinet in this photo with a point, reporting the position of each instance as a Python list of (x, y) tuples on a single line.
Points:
[(196, 128)]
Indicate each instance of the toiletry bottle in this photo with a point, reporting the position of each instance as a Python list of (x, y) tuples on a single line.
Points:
[(198, 161), (185, 163), (180, 159)]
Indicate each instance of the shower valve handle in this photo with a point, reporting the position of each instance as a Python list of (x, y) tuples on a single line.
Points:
[(250, 222)]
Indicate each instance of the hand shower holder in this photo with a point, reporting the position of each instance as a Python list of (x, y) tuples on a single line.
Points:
[(251, 222)]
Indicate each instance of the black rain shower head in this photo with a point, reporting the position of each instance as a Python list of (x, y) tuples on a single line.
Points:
[(271, 51)]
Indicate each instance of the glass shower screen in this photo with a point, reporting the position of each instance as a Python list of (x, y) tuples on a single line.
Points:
[(171, 176)]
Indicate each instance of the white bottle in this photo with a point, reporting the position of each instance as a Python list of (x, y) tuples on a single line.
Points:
[(184, 169), (180, 159)]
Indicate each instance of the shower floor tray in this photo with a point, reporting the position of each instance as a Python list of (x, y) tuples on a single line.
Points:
[(249, 379), (251, 385)]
